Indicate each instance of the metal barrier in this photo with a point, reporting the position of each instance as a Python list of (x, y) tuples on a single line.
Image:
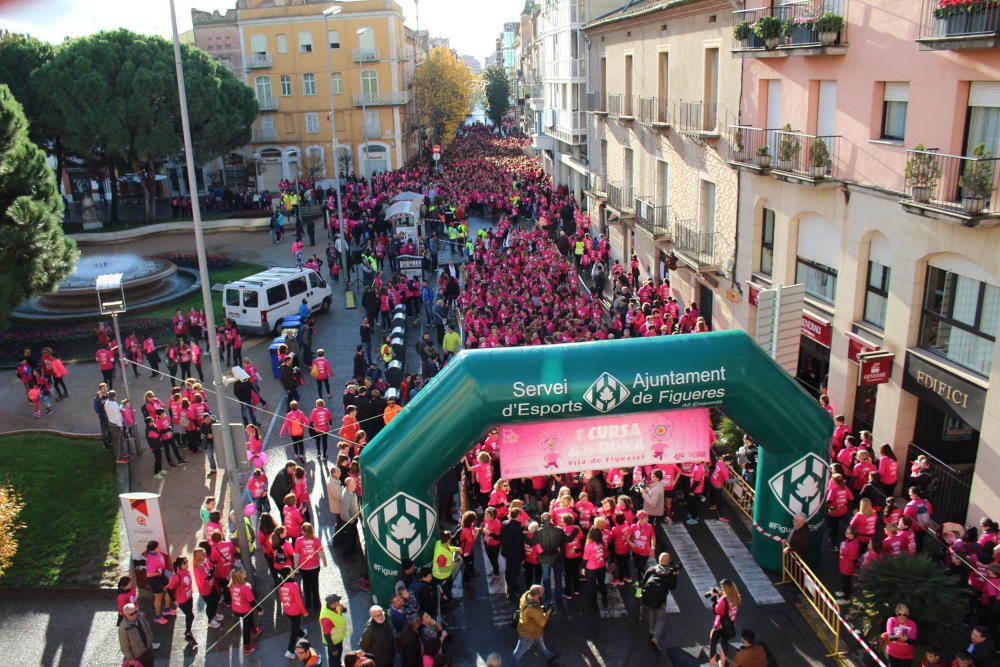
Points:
[(950, 500), (741, 494)]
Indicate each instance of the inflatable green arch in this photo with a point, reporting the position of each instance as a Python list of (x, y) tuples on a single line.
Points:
[(476, 390)]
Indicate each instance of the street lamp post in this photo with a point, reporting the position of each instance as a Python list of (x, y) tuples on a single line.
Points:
[(236, 497), (364, 108), (111, 299), (332, 11)]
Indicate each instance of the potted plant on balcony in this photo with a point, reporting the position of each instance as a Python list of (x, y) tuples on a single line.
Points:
[(976, 180), (818, 159), (742, 33), (769, 29), (801, 30), (828, 26), (922, 174), (739, 149), (763, 157), (789, 148)]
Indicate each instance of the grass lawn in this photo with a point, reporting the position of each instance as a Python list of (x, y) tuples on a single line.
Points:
[(70, 516), (235, 272)]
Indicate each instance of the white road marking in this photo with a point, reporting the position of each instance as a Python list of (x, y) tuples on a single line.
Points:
[(616, 606), (756, 581), (691, 560)]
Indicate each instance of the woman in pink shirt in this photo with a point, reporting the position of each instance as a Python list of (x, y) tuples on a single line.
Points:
[(620, 548), (295, 424), (595, 558), (838, 503), (243, 599), (322, 372), (585, 510), (888, 469), (863, 523), (180, 587), (319, 420), (309, 557), (491, 540), (467, 543), (127, 593), (849, 553), (483, 475), (642, 542), (156, 576), (208, 588), (293, 607), (292, 517), (900, 638), (726, 603)]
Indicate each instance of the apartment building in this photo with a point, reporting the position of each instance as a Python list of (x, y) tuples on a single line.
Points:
[(300, 63), (528, 85), (867, 156), (662, 89)]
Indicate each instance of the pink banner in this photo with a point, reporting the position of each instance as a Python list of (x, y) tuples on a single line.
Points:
[(599, 443)]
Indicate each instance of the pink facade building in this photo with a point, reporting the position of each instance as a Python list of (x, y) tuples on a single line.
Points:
[(867, 147)]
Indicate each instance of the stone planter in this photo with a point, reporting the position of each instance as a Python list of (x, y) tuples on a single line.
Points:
[(754, 42), (921, 193), (974, 205), (771, 43), (763, 161), (817, 172), (802, 34), (786, 165), (828, 38)]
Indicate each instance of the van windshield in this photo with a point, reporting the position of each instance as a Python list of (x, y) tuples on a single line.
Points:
[(250, 299), (232, 297)]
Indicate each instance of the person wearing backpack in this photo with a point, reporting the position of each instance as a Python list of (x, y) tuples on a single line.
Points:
[(655, 587), (918, 510), (751, 653)]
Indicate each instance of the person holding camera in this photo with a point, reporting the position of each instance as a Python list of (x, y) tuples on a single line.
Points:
[(652, 497), (726, 603), (532, 619), (655, 587)]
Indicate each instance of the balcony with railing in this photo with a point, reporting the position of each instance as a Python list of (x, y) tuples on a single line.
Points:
[(620, 197), (653, 219), (568, 68), (597, 103), (696, 118), (616, 104), (364, 55), (652, 112), (267, 103), (750, 148), (569, 127), (969, 25), (803, 158), (262, 135), (807, 28), (955, 188), (534, 89), (694, 247), (381, 99), (259, 61), (597, 184)]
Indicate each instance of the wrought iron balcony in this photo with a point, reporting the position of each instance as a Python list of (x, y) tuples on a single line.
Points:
[(597, 184), (267, 104), (807, 157), (364, 55), (750, 147), (381, 99), (694, 246), (972, 25), (262, 135), (259, 61), (957, 188), (616, 105), (620, 197), (653, 219), (697, 118), (597, 103), (801, 30), (652, 112)]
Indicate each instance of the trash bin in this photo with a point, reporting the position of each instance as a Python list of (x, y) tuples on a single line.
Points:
[(273, 351), (291, 322), (394, 372)]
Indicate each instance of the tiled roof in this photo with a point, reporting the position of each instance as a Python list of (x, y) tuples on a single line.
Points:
[(634, 8)]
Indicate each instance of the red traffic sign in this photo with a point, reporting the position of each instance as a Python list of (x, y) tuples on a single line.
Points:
[(437, 148)]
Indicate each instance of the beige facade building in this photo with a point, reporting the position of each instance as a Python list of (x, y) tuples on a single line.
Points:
[(300, 64), (661, 92)]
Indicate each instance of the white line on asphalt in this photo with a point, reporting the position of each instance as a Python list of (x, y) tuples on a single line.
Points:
[(757, 583), (616, 606), (691, 560), (672, 606)]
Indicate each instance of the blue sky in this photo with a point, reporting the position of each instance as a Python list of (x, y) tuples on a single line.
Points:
[(472, 25)]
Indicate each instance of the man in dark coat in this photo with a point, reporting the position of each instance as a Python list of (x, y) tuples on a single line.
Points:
[(283, 484), (512, 549)]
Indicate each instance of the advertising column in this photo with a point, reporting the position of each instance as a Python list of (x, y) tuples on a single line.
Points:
[(143, 524)]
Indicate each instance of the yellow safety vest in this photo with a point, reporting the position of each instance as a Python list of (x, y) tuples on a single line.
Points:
[(339, 632), (386, 352), (579, 247), (447, 554), (452, 233)]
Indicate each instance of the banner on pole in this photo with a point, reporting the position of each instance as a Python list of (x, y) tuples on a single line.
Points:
[(143, 522), (599, 443)]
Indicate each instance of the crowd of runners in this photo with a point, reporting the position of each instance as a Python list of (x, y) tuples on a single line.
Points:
[(537, 276)]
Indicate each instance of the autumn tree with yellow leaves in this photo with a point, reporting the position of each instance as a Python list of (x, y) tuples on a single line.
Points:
[(445, 89)]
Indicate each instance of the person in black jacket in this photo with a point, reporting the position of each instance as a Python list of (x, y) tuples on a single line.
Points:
[(377, 638), (427, 593), (242, 391), (512, 549), (360, 363), (290, 380), (283, 484), (410, 648)]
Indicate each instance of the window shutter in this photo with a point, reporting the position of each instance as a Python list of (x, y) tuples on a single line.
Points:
[(984, 94), (897, 91)]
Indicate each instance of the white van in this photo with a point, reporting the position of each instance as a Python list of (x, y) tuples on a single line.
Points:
[(260, 302)]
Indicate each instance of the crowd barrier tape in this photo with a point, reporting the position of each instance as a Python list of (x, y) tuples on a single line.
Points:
[(795, 570)]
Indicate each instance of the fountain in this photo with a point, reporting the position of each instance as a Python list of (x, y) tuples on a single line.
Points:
[(147, 281)]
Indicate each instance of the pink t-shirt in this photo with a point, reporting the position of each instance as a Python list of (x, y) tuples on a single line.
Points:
[(242, 598), (308, 550), (594, 555), (642, 538), (905, 629), (484, 475)]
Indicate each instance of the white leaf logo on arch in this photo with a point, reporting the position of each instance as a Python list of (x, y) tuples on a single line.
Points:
[(606, 393), (402, 525), (799, 487)]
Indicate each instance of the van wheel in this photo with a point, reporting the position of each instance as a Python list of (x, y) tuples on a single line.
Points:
[(325, 306)]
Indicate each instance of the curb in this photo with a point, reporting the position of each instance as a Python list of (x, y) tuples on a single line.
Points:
[(51, 431), (159, 229), (27, 593)]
